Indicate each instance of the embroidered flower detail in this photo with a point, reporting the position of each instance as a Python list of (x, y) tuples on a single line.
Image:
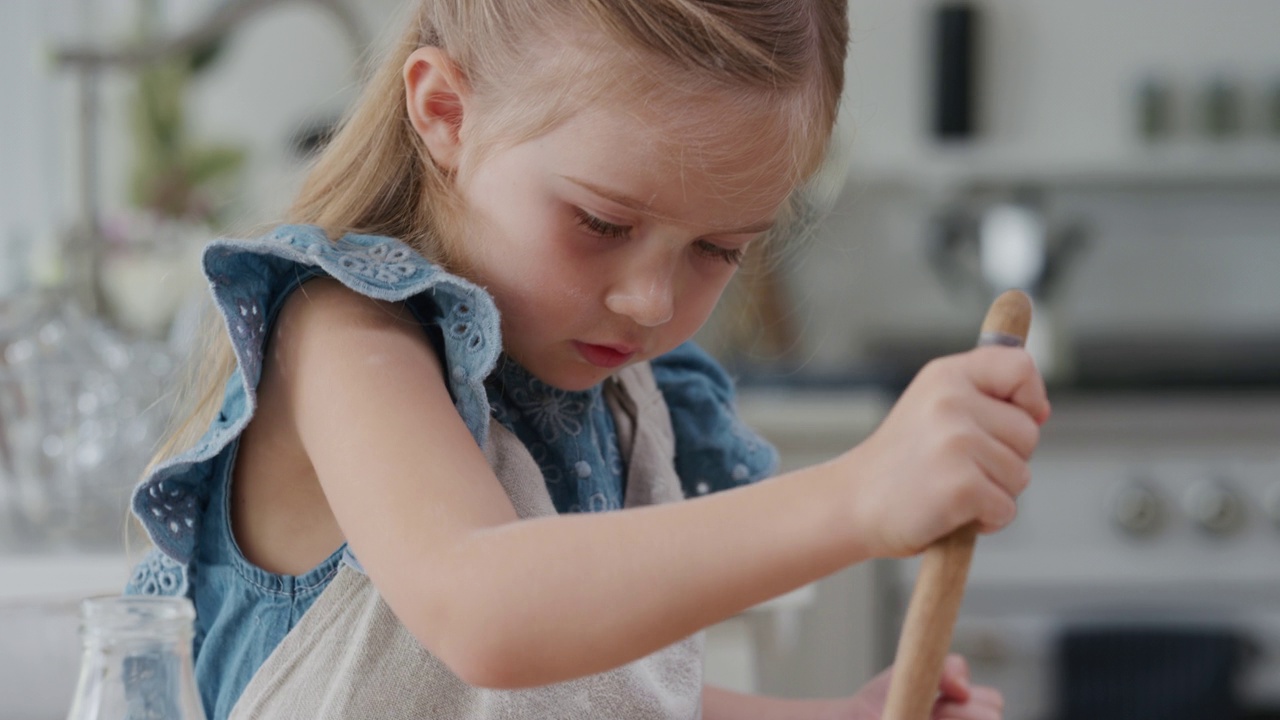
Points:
[(239, 287), (613, 454), (568, 434), (249, 324), (466, 333), (384, 262), (551, 410), (170, 509), (157, 574), (600, 503), (542, 456)]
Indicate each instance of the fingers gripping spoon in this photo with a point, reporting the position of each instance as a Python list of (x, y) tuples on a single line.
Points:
[(935, 601)]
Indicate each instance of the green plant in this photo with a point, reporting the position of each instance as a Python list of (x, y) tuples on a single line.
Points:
[(174, 175)]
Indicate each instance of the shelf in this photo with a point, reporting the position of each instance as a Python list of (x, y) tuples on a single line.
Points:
[(1252, 163)]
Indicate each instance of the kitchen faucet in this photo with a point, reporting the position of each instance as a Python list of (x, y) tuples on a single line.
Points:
[(83, 251)]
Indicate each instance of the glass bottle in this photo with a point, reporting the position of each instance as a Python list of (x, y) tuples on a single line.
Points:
[(137, 660), (1223, 114), (1155, 108), (1273, 110)]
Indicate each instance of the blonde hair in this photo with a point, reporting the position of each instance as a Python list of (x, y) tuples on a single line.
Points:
[(376, 177)]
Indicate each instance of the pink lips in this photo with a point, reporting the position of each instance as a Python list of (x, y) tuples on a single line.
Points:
[(605, 356)]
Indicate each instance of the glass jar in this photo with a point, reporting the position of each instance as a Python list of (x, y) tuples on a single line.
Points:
[(81, 408), (137, 660)]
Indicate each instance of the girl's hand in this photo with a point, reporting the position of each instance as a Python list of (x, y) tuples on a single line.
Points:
[(953, 450), (957, 699)]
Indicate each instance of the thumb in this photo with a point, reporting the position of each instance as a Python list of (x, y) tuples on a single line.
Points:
[(955, 679), (1010, 374)]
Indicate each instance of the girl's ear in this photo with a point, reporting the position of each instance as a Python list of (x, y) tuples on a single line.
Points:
[(435, 95)]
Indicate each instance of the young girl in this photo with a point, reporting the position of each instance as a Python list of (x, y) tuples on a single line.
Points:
[(440, 467)]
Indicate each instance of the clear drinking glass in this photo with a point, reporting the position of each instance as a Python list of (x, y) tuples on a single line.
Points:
[(137, 660)]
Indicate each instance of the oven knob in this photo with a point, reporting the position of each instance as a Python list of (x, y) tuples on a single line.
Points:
[(1215, 508), (1138, 509)]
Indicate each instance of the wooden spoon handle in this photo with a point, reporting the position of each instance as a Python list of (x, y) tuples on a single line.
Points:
[(935, 601)]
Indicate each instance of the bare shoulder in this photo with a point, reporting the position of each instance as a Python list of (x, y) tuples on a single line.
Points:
[(361, 385), (337, 368), (325, 303), (327, 326)]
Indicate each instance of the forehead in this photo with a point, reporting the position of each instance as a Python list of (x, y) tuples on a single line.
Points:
[(704, 161)]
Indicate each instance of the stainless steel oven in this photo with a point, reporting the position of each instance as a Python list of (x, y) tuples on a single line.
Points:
[(1142, 576)]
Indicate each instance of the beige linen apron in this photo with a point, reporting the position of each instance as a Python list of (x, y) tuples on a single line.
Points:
[(349, 657)]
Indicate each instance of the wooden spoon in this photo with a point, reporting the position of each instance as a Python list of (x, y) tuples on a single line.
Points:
[(935, 601)]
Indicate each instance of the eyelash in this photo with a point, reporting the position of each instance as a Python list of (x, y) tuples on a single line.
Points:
[(600, 227), (733, 256), (604, 229)]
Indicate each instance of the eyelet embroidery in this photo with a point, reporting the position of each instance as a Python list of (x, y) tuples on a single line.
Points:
[(157, 574), (600, 503), (244, 277), (381, 262), (172, 508)]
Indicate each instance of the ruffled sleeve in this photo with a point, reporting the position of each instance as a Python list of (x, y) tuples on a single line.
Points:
[(715, 450), (249, 281)]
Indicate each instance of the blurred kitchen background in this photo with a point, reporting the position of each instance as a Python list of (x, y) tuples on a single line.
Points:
[(1118, 159)]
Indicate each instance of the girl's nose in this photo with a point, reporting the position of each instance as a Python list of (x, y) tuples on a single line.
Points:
[(647, 299)]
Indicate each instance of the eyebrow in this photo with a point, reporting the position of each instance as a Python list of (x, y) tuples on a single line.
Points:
[(647, 209)]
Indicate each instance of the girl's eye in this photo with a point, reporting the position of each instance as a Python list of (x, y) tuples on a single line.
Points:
[(600, 227), (733, 256)]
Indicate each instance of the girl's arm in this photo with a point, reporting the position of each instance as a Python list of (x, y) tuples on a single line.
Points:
[(511, 604)]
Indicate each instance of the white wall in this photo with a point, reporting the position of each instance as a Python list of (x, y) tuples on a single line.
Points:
[(1059, 76)]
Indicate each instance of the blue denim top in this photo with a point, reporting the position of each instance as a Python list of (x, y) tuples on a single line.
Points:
[(243, 611)]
